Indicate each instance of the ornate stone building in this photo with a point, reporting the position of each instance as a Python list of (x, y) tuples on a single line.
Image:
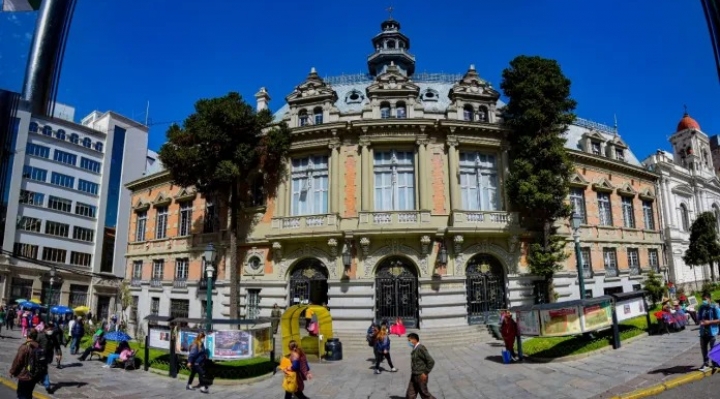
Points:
[(689, 186)]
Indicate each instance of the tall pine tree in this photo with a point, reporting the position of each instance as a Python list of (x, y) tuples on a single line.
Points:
[(537, 114)]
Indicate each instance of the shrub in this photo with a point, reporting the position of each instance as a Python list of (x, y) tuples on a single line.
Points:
[(654, 287)]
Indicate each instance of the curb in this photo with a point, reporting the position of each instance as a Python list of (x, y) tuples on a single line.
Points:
[(12, 385), (665, 386)]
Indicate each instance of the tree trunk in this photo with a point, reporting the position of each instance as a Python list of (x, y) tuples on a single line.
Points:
[(234, 277)]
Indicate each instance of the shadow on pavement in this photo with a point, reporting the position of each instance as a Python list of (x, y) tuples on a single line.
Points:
[(59, 385), (673, 370), (68, 365), (496, 359)]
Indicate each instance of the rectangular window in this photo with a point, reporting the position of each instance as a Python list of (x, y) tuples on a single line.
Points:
[(32, 198), (479, 182), (179, 308), (633, 261), (586, 262), (604, 208), (210, 220), (85, 210), (134, 308), (610, 260), (182, 266), (90, 165), (65, 157), (56, 255), (88, 187), (648, 215), (80, 259), (78, 295), (612, 290), (394, 180), (596, 148), (654, 260), (32, 173), (137, 270), (628, 210), (161, 219), (140, 225), (83, 234), (37, 150), (588, 294), (62, 180), (620, 154), (158, 269), (577, 202), (636, 287), (60, 204), (57, 229), (26, 250), (29, 224), (154, 306), (253, 304), (185, 218), (309, 186)]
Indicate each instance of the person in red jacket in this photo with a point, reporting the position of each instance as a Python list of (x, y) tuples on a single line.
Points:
[(508, 330)]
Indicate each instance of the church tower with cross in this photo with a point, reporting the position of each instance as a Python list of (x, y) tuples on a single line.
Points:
[(391, 48)]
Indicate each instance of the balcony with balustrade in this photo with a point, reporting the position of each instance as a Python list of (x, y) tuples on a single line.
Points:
[(156, 284), (310, 225), (180, 285), (401, 222), (485, 221)]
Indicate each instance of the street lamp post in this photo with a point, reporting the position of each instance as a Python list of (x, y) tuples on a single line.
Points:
[(209, 271), (577, 220), (52, 282)]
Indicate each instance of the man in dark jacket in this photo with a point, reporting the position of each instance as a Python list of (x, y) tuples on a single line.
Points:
[(20, 368), (421, 364), (47, 339), (78, 330)]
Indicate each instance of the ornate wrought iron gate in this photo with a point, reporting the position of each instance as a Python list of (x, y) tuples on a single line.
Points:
[(396, 293), (485, 289), (308, 282)]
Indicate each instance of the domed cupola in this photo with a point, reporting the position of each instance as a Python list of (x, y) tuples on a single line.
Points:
[(391, 46), (687, 123)]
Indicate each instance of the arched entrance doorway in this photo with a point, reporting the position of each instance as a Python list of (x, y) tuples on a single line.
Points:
[(396, 292), (485, 289), (308, 282)]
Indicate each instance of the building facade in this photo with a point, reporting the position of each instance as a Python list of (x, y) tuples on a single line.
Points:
[(689, 186), (66, 200)]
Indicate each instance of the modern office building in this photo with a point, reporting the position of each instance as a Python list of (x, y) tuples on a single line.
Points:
[(66, 202)]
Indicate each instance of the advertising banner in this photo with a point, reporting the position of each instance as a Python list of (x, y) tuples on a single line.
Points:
[(560, 322), (185, 338), (233, 345), (630, 308), (596, 317), (528, 322), (160, 338)]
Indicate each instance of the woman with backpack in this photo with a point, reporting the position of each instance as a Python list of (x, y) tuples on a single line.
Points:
[(197, 357), (382, 349)]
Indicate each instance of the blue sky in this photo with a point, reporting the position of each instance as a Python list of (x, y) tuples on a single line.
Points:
[(641, 61)]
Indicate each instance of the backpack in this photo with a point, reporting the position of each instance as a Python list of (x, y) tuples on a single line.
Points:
[(37, 365)]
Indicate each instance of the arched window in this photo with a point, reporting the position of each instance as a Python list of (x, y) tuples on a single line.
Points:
[(385, 110), (302, 118), (98, 146), (60, 134), (33, 128), (318, 113), (47, 130), (74, 138), (684, 218), (483, 114), (468, 112), (400, 110), (87, 143)]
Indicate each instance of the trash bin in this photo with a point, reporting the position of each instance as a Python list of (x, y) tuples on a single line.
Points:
[(333, 349)]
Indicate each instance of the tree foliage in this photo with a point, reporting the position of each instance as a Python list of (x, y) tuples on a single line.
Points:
[(219, 149), (654, 287), (537, 114), (704, 247)]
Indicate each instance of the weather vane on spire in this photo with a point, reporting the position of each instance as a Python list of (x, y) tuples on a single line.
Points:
[(685, 106), (390, 11)]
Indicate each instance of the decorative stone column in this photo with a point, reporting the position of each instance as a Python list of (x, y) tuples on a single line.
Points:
[(281, 197), (424, 180), (366, 169), (335, 177), (454, 173)]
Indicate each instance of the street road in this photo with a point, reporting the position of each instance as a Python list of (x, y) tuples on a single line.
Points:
[(6, 393), (705, 388)]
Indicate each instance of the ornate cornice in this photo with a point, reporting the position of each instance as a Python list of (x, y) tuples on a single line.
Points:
[(612, 165), (150, 181)]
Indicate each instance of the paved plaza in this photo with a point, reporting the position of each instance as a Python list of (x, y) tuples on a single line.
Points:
[(473, 372)]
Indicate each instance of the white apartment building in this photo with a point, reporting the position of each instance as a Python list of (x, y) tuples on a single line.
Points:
[(69, 207)]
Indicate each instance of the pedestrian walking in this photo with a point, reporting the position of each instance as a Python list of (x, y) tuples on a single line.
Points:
[(508, 330), (10, 319), (421, 364), (382, 350), (709, 317), (275, 316), (77, 331), (28, 365), (197, 357), (301, 368)]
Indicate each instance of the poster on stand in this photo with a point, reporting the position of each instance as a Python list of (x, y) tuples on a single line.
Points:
[(560, 322), (233, 344), (528, 322), (630, 308), (159, 338), (598, 316)]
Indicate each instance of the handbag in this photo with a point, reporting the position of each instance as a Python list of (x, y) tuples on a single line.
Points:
[(313, 328), (290, 382)]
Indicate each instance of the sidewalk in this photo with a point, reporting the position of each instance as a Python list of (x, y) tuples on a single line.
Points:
[(473, 372)]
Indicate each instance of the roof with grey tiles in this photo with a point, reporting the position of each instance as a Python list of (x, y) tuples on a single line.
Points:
[(581, 126)]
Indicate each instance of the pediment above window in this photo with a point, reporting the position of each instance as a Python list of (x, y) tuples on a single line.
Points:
[(472, 86), (626, 190), (647, 195), (576, 180), (603, 185), (617, 141), (186, 195), (141, 206), (683, 190), (313, 89), (392, 83), (162, 200), (594, 135)]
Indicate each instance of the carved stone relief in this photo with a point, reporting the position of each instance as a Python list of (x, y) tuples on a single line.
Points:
[(394, 247), (508, 259), (307, 251)]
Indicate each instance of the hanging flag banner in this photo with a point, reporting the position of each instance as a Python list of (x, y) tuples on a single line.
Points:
[(21, 5)]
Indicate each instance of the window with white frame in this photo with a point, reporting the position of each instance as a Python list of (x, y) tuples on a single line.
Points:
[(185, 218), (684, 217), (610, 261), (586, 260), (80, 259), (137, 270), (596, 148), (140, 225), (309, 186), (86, 210), (56, 255), (577, 201), (211, 222), (479, 181), (653, 260), (648, 215), (253, 304), (633, 260), (57, 229), (628, 210), (83, 234), (158, 269), (154, 306), (604, 209), (32, 198), (394, 180), (161, 219), (182, 266), (60, 204)]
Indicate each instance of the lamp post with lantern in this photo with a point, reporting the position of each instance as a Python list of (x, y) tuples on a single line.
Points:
[(577, 220), (50, 292), (209, 272)]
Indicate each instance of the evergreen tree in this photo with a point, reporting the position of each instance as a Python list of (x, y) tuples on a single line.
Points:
[(219, 150), (537, 114), (704, 247)]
